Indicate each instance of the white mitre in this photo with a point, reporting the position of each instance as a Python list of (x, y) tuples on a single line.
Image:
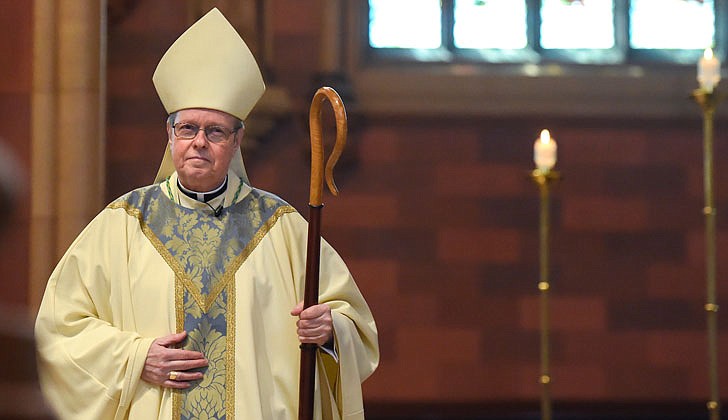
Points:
[(208, 66)]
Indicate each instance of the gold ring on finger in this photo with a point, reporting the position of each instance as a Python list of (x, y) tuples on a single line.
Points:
[(173, 375)]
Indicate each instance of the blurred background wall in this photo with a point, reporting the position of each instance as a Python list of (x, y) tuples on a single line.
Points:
[(437, 218)]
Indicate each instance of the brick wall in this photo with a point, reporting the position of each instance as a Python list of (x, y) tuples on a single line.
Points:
[(439, 223)]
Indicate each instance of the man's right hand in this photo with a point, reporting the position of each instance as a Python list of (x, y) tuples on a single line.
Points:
[(168, 367)]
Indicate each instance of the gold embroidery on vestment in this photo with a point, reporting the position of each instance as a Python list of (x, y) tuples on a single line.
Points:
[(230, 353), (189, 403)]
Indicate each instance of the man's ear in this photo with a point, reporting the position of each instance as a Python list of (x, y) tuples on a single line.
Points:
[(239, 136)]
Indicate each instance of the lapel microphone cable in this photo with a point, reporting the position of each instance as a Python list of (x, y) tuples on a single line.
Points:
[(216, 211)]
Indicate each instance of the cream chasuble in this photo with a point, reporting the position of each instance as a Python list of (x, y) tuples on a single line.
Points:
[(156, 262)]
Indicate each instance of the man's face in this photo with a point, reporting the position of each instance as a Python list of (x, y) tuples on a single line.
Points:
[(202, 165)]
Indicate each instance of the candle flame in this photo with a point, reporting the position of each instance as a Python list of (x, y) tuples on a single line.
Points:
[(545, 136), (708, 53)]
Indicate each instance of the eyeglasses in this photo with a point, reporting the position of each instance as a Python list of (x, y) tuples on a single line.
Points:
[(213, 133)]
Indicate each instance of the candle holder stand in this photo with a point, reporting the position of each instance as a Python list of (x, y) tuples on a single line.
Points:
[(544, 179), (708, 102)]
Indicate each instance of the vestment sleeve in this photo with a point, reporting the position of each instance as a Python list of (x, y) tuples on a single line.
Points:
[(89, 360), (355, 336)]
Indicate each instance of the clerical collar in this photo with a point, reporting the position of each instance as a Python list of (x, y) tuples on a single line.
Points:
[(203, 196)]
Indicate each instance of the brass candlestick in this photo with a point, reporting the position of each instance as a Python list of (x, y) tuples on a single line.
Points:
[(543, 178), (708, 102)]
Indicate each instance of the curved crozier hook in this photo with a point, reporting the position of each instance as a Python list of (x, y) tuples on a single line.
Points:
[(317, 152)]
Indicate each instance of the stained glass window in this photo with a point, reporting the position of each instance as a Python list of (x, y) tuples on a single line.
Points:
[(585, 24), (497, 24), (578, 31), (672, 24), (405, 24)]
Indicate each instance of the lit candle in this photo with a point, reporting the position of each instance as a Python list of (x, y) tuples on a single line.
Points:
[(544, 152), (708, 70)]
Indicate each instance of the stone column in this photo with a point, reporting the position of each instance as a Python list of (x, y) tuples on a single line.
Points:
[(331, 37), (68, 107), (332, 71)]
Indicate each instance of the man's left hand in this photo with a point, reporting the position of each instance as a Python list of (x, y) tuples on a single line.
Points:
[(315, 324)]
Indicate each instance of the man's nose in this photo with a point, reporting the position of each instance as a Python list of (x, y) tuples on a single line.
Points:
[(200, 140)]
